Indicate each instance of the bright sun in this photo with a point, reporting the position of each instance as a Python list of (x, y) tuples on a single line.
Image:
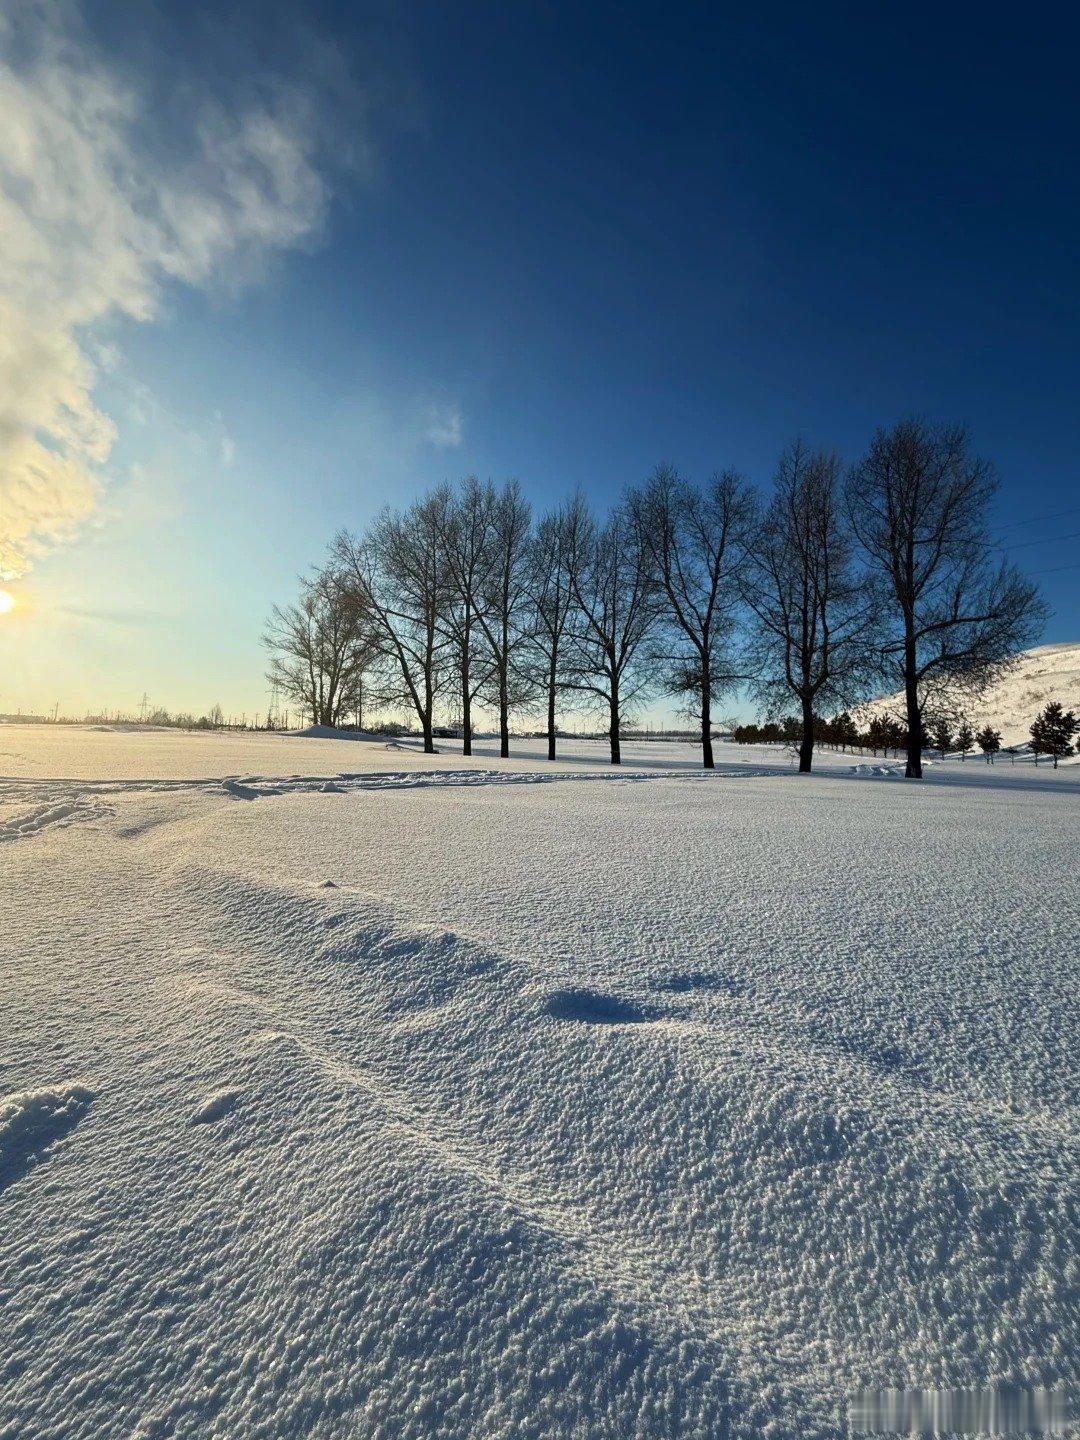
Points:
[(7, 602)]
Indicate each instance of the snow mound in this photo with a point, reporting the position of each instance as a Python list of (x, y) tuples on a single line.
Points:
[(329, 732)]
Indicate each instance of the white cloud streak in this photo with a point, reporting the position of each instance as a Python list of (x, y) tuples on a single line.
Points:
[(94, 226), (446, 426)]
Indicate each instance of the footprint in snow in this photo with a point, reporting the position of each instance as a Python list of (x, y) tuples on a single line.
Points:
[(31, 1121), (239, 791), (589, 1007), (215, 1107)]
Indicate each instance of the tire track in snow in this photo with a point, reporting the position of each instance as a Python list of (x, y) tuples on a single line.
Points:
[(253, 787)]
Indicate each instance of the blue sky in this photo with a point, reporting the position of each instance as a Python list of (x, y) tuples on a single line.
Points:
[(386, 245)]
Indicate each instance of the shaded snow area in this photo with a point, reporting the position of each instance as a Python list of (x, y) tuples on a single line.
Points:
[(355, 1093)]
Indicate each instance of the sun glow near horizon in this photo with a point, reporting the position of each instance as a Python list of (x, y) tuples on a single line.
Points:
[(8, 602)]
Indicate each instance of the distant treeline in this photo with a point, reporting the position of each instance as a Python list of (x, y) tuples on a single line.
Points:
[(838, 585), (182, 720), (1052, 732)]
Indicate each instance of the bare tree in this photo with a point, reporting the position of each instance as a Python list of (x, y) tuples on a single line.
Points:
[(614, 610), (694, 541), (465, 522), (549, 590), (918, 503), (504, 615), (813, 617), (398, 575), (320, 648)]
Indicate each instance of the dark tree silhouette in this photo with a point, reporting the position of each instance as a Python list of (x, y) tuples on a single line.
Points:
[(941, 737), (989, 742), (397, 573), (614, 609), (694, 541), (918, 503), (465, 525), (549, 590), (813, 614), (505, 613)]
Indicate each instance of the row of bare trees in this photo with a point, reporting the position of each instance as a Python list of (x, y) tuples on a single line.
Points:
[(839, 585)]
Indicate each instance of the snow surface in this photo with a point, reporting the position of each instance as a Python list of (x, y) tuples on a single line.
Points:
[(1048, 672), (352, 1092)]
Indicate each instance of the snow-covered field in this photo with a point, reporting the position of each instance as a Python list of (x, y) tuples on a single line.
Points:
[(350, 1092)]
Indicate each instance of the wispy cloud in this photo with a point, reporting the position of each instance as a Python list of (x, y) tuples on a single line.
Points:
[(96, 226), (446, 426)]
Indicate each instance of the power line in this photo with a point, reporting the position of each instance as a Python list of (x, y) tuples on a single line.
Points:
[(1049, 540), (1019, 544), (1055, 569), (1034, 519)]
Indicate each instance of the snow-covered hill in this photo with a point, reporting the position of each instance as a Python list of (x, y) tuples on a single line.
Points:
[(1048, 672)]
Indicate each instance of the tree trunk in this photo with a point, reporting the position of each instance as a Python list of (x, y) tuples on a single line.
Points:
[(616, 748), (706, 721), (806, 745), (426, 719), (465, 704), (551, 709), (913, 770), (504, 717)]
